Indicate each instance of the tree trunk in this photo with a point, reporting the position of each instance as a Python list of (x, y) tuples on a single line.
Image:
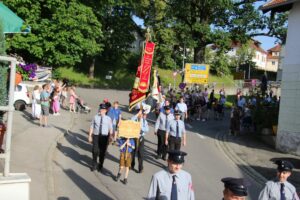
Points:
[(92, 68), (199, 53)]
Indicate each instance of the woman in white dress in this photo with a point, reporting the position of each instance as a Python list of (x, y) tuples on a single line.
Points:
[(36, 104)]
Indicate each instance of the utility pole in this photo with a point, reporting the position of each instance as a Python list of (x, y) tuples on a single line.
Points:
[(248, 70), (183, 57)]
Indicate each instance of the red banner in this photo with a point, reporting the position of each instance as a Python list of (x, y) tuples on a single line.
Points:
[(146, 67), (136, 96)]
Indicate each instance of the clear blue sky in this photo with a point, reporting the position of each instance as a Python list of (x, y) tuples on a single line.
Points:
[(266, 42)]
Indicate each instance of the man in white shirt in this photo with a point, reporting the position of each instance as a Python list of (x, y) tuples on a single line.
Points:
[(182, 107)]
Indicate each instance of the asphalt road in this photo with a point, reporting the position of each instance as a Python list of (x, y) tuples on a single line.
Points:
[(73, 179)]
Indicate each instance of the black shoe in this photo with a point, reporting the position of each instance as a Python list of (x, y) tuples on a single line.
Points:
[(157, 157), (117, 177), (164, 158), (94, 167), (100, 167), (141, 171), (125, 181)]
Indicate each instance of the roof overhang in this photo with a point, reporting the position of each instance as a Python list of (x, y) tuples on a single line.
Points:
[(280, 6)]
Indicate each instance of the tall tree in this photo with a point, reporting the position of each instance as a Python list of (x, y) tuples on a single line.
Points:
[(198, 23), (119, 31), (62, 33), (156, 16)]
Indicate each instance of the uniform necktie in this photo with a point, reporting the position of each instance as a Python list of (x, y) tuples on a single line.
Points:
[(144, 125), (166, 122), (177, 130), (174, 189), (282, 196), (100, 126)]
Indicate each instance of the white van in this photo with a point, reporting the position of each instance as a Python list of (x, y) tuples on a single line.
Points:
[(21, 97)]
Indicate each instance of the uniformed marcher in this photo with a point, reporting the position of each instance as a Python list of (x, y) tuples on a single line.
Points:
[(280, 188), (172, 183), (99, 135), (175, 134), (139, 142), (160, 130), (235, 188)]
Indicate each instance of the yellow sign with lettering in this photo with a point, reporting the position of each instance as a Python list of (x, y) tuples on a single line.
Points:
[(196, 73), (129, 129)]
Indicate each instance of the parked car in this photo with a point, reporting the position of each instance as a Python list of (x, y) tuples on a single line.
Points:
[(21, 97)]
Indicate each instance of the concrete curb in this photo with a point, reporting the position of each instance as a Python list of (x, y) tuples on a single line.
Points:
[(221, 141), (49, 169)]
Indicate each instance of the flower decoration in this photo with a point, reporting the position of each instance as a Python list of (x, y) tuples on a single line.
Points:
[(27, 70)]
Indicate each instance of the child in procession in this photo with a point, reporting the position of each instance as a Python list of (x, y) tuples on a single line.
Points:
[(126, 147)]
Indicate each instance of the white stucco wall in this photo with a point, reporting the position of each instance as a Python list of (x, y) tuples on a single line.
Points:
[(288, 136), (260, 59), (270, 66), (232, 52)]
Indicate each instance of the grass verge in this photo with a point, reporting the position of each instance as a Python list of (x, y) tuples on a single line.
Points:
[(123, 79)]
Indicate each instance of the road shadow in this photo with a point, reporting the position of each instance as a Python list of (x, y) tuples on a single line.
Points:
[(75, 139), (148, 141), (74, 155), (63, 130), (63, 198), (149, 156), (87, 188), (84, 131), (27, 115), (111, 157), (107, 172), (78, 140)]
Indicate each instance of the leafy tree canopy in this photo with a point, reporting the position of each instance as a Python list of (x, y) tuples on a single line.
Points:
[(198, 23), (62, 33), (65, 33)]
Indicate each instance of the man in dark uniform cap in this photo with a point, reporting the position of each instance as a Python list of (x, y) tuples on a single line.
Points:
[(280, 188), (161, 124), (175, 133), (172, 183), (99, 135), (235, 188)]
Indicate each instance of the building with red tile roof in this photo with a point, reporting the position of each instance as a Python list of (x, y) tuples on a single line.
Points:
[(273, 58), (259, 57)]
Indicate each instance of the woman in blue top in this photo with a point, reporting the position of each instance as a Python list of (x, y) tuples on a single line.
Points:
[(126, 147)]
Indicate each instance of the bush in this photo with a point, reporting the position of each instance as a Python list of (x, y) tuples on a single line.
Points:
[(265, 116)]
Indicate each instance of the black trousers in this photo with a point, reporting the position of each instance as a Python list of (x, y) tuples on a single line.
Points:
[(174, 143), (161, 147), (139, 151), (100, 143)]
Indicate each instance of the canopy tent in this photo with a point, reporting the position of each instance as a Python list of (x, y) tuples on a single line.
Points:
[(10, 21)]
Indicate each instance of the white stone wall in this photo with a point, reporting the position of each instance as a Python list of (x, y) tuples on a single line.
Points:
[(260, 60), (288, 136)]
